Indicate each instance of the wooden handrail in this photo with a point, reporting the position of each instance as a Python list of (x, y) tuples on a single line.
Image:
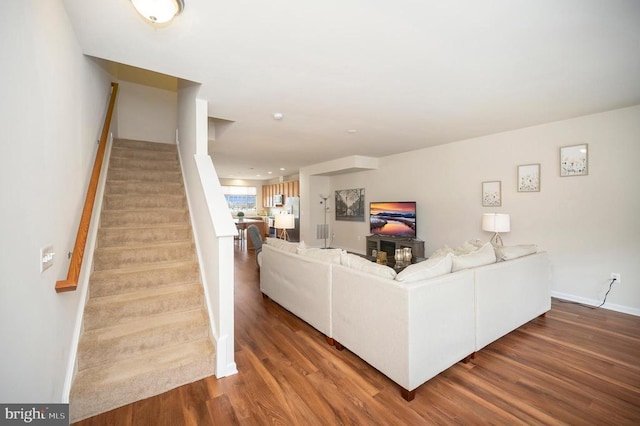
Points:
[(71, 283)]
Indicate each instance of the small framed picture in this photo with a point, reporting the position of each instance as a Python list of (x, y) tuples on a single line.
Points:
[(574, 160), (529, 178), (492, 194)]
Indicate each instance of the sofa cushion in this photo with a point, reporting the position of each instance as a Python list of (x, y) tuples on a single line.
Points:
[(466, 248), (324, 255), (514, 252), (432, 267), (282, 244), (483, 256), (359, 263)]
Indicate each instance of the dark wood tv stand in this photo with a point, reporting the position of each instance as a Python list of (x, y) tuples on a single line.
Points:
[(390, 244)]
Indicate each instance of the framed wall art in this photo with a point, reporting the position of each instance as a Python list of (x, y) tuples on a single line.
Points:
[(492, 193), (529, 178), (574, 160), (350, 205)]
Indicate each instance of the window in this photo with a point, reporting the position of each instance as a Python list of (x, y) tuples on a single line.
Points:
[(240, 198)]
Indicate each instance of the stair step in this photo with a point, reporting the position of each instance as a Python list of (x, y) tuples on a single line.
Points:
[(105, 387), (147, 217), (116, 343), (144, 145), (145, 327), (123, 308), (143, 188), (139, 202), (143, 154), (121, 257), (132, 175), (144, 164), (126, 280), (135, 236)]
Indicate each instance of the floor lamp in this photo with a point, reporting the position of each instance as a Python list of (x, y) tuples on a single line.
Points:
[(325, 229)]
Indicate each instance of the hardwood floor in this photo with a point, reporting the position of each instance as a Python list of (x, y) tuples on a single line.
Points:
[(575, 366)]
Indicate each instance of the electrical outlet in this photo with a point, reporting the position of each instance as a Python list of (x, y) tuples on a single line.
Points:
[(616, 276)]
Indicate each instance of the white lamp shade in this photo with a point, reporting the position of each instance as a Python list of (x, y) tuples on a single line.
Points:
[(158, 11), (496, 222), (285, 221)]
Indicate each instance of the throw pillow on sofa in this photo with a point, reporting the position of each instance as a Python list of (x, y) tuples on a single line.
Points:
[(324, 255), (354, 261), (282, 244), (432, 267), (466, 248), (483, 256), (514, 252)]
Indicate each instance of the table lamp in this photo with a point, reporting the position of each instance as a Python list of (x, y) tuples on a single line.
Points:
[(285, 221), (496, 223)]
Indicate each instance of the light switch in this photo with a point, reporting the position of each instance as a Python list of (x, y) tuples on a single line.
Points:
[(46, 258)]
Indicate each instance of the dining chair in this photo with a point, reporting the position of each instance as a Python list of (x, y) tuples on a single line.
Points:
[(256, 239)]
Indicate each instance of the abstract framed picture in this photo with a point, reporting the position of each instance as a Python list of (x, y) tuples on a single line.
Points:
[(492, 193), (574, 160), (529, 178), (350, 205)]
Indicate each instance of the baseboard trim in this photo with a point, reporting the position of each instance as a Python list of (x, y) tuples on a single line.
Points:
[(592, 302)]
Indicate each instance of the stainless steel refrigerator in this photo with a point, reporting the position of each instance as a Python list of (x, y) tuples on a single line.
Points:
[(292, 205)]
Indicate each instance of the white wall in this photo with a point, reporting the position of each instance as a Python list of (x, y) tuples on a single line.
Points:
[(315, 183), (51, 114), (212, 225), (589, 224), (147, 113)]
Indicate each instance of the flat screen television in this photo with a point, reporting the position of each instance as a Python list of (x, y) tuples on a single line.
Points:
[(394, 219)]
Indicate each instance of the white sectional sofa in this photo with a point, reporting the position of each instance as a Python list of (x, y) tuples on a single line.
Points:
[(301, 284), (410, 332), (414, 325), (509, 294)]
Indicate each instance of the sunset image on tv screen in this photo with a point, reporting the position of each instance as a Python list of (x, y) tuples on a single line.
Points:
[(397, 219)]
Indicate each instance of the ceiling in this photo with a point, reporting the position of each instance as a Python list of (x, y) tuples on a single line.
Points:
[(372, 77)]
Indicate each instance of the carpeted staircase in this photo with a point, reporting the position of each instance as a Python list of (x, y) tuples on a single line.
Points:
[(146, 329)]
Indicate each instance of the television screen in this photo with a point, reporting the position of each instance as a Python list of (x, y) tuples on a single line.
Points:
[(395, 219)]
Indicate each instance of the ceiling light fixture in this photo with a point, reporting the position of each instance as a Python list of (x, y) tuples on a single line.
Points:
[(158, 11), (278, 115)]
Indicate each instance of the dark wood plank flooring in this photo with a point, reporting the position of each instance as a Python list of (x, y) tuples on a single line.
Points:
[(575, 366)]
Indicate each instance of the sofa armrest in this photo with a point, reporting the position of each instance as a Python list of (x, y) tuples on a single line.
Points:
[(300, 284), (410, 332), (510, 294)]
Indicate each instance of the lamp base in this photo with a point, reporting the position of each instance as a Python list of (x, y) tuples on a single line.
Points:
[(496, 240), (284, 235)]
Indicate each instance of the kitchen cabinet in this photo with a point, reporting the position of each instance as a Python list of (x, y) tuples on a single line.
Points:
[(287, 189)]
